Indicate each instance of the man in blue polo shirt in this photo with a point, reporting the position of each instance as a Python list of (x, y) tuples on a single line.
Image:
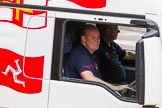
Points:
[(82, 63), (110, 55)]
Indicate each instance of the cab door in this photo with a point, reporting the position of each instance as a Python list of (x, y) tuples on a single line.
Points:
[(70, 92)]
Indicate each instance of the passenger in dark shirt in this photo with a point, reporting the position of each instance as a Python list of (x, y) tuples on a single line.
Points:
[(83, 63), (81, 60), (110, 55)]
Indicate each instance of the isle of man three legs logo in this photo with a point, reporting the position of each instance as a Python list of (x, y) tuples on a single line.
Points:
[(15, 72)]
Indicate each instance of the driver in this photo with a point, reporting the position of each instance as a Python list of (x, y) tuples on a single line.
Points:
[(110, 55)]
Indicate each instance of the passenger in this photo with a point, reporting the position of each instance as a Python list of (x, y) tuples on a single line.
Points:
[(110, 55), (83, 63)]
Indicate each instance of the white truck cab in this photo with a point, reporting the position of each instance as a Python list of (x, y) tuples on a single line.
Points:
[(33, 48)]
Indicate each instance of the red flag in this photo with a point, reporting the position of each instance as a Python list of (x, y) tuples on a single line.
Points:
[(90, 3), (13, 73)]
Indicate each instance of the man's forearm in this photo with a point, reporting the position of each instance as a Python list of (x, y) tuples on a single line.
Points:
[(130, 55)]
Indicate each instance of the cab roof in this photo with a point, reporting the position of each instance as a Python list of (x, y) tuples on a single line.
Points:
[(137, 7)]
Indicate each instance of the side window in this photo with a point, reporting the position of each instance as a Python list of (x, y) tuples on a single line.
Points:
[(126, 40)]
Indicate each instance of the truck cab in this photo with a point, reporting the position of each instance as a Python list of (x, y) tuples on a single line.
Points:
[(37, 36)]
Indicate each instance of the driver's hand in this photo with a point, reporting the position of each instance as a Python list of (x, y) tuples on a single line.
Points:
[(128, 93), (121, 87)]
